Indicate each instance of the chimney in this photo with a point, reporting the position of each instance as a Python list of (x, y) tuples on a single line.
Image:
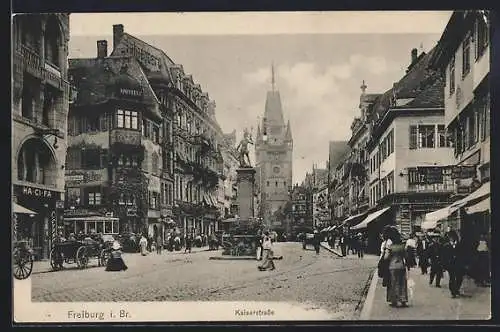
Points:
[(117, 34), (102, 49), (414, 55)]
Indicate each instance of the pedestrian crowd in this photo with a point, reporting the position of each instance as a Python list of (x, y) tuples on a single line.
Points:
[(348, 241), (433, 254)]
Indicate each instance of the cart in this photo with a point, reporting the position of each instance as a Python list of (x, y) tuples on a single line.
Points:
[(22, 260), (78, 252)]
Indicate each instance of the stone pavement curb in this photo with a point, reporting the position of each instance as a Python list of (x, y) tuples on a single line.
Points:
[(370, 296), (331, 250)]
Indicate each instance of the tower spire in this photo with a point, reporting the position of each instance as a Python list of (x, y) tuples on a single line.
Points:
[(272, 76)]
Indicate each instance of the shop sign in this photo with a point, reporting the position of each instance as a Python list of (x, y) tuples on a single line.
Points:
[(425, 175), (463, 172), (130, 93), (131, 212), (84, 177), (37, 192), (74, 178)]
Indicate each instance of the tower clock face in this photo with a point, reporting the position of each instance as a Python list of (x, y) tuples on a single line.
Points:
[(276, 169)]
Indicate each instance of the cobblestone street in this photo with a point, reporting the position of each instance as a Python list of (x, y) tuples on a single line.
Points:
[(317, 281)]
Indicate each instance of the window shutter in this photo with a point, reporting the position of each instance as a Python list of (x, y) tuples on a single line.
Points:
[(103, 122), (413, 137)]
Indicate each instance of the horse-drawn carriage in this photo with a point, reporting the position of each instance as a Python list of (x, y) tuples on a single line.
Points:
[(22, 260), (79, 252)]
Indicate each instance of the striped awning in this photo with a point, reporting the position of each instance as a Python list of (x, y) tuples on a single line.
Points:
[(481, 192), (352, 218), (431, 219), (22, 210), (483, 206), (370, 218)]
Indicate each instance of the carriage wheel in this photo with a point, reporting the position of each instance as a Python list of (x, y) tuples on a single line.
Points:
[(22, 264), (103, 257), (55, 260), (82, 259)]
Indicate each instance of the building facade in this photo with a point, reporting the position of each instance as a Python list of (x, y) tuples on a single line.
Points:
[(228, 190), (301, 214), (197, 164), (337, 150), (114, 173), (321, 212), (463, 57), (409, 150), (273, 155), (40, 101)]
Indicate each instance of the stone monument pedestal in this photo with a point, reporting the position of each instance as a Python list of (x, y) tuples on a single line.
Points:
[(242, 237), (246, 193)]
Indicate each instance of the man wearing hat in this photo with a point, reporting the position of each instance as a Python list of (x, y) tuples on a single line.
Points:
[(454, 262)]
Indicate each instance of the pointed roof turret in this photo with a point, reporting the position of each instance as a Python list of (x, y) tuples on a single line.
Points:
[(288, 134), (273, 114)]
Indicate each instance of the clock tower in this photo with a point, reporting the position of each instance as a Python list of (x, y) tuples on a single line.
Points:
[(273, 156)]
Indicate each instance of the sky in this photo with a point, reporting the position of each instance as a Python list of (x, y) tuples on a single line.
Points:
[(320, 62)]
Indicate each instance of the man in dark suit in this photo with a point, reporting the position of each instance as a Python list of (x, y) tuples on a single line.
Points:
[(422, 253), (454, 262)]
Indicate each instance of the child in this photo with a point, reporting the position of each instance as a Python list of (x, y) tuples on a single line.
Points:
[(115, 262)]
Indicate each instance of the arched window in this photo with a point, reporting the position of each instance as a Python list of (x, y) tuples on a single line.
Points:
[(30, 32), (52, 41), (36, 164)]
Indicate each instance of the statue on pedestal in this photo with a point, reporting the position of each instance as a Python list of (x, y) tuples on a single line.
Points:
[(242, 149)]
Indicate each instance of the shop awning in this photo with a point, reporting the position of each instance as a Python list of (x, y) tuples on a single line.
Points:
[(482, 192), (431, 219), (483, 206), (351, 218), (370, 218), (22, 210), (230, 220)]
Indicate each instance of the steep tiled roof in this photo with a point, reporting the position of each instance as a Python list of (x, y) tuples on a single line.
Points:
[(336, 151), (96, 78), (431, 97), (419, 81)]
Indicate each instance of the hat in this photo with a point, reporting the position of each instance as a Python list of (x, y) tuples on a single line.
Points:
[(116, 245)]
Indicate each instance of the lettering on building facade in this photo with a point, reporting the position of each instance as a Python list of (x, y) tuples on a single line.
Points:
[(126, 92), (38, 192), (75, 179), (425, 175), (146, 58)]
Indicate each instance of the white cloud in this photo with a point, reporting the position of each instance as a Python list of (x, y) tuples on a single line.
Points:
[(260, 76)]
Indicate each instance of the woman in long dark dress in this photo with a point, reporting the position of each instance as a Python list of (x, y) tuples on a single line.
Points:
[(397, 290), (115, 262)]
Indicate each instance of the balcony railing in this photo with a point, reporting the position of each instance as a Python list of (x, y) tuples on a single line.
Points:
[(125, 136), (34, 65)]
